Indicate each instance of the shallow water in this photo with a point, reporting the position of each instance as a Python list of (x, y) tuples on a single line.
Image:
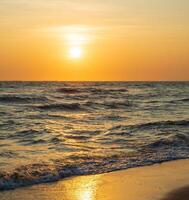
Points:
[(52, 130)]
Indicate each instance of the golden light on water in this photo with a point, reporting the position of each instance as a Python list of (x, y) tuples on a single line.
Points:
[(86, 194), (86, 189)]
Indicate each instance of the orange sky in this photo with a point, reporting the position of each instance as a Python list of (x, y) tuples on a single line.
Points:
[(94, 40)]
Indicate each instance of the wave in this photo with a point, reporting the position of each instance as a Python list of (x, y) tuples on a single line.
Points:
[(68, 90), (27, 137), (177, 140), (117, 104), (180, 100), (2, 113), (184, 99), (148, 125), (107, 90), (102, 91), (7, 123), (82, 105), (19, 99), (163, 124), (77, 137), (78, 165), (93, 90), (8, 154), (111, 117), (108, 104), (25, 133), (85, 106), (62, 106)]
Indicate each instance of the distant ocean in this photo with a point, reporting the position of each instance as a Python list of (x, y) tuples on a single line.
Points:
[(53, 130)]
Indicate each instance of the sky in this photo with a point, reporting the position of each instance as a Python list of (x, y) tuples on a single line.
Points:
[(94, 40)]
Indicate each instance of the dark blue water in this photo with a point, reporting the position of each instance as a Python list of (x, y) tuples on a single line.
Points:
[(53, 130)]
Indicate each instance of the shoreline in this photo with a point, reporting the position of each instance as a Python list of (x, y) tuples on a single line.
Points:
[(164, 181)]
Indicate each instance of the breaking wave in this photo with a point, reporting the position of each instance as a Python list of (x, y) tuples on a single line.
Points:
[(62, 106)]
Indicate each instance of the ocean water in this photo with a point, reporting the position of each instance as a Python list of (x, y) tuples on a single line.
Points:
[(53, 130)]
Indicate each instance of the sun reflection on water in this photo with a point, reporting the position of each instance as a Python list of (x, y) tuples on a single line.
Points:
[(86, 194), (86, 189)]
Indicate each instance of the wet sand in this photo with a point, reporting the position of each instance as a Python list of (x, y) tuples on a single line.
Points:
[(166, 181), (180, 194)]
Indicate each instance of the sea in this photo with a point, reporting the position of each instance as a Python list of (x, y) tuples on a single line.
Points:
[(53, 130)]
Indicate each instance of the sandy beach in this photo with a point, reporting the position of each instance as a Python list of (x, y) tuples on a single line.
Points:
[(166, 181)]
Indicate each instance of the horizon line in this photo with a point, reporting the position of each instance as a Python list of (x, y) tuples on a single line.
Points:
[(94, 80)]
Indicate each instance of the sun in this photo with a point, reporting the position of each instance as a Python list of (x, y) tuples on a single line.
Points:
[(75, 52), (75, 41)]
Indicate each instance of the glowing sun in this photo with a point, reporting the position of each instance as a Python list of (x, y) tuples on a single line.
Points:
[(75, 52), (75, 41)]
